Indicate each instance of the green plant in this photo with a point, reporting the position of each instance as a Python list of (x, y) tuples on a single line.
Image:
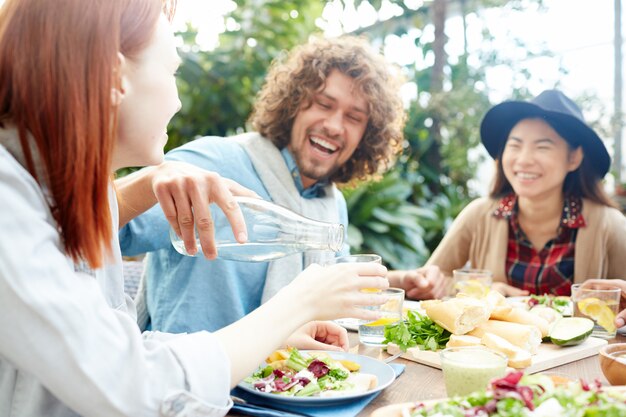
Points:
[(384, 222)]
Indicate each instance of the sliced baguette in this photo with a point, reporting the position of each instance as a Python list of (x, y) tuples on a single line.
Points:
[(547, 313), (517, 357), (457, 315), (499, 311), (522, 360), (463, 340), (495, 299), (500, 344), (525, 336), (517, 315)]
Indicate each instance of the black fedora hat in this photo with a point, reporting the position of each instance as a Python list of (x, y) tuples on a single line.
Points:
[(561, 113)]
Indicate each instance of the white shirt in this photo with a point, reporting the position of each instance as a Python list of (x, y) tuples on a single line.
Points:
[(69, 343)]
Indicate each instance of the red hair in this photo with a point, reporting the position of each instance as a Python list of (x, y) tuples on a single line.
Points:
[(58, 65)]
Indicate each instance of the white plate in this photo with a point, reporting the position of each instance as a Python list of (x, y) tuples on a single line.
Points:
[(383, 372), (353, 324), (522, 301), (519, 301)]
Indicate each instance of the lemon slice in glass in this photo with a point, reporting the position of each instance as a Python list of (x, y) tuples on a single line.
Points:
[(384, 321), (472, 288), (372, 290), (598, 311)]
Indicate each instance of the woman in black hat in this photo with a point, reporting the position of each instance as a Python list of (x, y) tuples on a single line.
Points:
[(548, 222)]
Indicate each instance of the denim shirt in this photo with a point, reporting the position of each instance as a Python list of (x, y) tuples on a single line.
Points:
[(188, 294), (316, 190)]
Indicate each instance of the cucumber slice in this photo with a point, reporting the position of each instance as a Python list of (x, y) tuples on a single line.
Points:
[(571, 331)]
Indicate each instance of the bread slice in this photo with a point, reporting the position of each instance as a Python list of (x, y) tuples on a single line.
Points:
[(517, 357), (463, 340), (500, 344), (547, 313), (495, 299), (499, 311), (525, 336), (457, 315), (522, 360), (517, 315)]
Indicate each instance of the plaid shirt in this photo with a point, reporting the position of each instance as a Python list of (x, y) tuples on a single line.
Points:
[(550, 270)]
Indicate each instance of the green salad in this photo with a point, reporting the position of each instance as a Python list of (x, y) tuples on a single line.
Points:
[(517, 395), (302, 374), (561, 304)]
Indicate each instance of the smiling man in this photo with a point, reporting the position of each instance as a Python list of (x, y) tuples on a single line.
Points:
[(329, 113)]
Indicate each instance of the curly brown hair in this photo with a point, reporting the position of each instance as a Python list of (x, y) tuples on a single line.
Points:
[(293, 80)]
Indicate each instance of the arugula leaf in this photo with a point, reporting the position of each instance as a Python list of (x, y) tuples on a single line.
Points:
[(418, 330)]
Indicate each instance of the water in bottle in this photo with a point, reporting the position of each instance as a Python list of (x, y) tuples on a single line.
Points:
[(273, 232)]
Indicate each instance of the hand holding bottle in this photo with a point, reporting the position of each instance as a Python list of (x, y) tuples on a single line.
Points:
[(185, 193), (335, 291), (273, 232)]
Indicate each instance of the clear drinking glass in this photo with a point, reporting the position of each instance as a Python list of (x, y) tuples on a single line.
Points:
[(352, 323), (599, 305), (472, 282), (372, 333), (469, 369)]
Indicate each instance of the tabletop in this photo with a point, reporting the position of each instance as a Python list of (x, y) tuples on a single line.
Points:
[(420, 382)]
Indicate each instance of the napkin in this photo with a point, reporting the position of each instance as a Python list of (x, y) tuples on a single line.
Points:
[(345, 409)]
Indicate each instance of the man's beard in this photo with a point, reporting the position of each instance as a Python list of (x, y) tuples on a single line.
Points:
[(309, 170)]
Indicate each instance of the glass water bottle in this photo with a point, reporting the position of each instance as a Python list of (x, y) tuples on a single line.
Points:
[(273, 232)]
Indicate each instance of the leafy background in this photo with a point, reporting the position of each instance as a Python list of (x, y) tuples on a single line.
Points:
[(404, 215)]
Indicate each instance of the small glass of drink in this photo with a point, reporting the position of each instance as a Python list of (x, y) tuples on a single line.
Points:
[(372, 333), (599, 305), (471, 282), (469, 369), (352, 323)]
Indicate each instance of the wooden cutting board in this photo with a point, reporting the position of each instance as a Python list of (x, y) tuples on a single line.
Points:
[(547, 356)]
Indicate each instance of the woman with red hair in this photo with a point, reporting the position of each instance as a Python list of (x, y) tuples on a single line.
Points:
[(87, 87)]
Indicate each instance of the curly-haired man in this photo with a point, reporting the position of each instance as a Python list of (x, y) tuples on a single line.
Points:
[(329, 112)]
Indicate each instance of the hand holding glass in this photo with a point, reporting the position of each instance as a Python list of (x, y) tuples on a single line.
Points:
[(352, 323)]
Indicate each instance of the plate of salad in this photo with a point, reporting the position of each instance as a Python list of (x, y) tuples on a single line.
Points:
[(519, 395), (561, 304), (317, 377)]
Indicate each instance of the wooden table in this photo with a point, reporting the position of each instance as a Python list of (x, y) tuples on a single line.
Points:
[(420, 382)]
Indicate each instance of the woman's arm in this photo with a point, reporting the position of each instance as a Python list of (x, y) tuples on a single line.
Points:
[(318, 293)]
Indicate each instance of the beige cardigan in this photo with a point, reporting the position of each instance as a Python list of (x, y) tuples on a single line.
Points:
[(480, 238)]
